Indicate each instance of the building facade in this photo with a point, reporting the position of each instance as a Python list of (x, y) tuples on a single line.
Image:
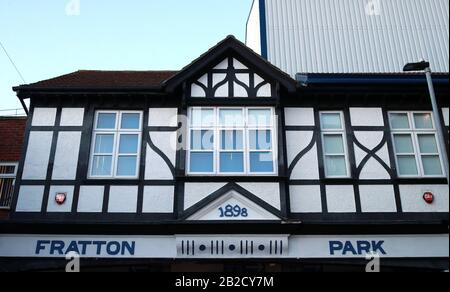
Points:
[(12, 131), (232, 164), (306, 149)]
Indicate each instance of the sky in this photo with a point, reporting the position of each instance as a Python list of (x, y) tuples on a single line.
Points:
[(48, 38)]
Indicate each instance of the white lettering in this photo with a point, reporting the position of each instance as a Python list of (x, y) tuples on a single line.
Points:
[(194, 283)]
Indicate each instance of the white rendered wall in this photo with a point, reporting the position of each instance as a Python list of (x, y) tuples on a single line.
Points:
[(37, 156), (158, 199), (412, 198), (66, 156), (306, 199), (341, 199)]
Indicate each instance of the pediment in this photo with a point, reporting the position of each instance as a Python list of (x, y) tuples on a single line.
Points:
[(233, 206)]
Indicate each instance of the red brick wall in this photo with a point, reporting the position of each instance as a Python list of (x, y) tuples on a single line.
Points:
[(12, 131)]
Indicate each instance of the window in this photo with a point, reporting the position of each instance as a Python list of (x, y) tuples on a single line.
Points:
[(334, 145), (116, 144), (8, 173), (231, 141), (416, 146)]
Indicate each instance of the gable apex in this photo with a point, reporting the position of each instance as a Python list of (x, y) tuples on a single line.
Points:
[(244, 56)]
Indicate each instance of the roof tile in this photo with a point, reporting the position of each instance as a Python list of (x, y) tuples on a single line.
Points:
[(91, 79)]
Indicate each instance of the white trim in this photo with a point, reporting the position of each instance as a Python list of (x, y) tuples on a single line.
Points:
[(16, 166), (218, 139), (200, 127), (420, 155), (117, 132), (342, 132), (245, 127), (410, 134), (221, 151), (400, 112), (12, 176), (414, 133)]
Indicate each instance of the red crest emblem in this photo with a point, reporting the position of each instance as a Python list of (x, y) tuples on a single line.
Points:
[(60, 198), (428, 197)]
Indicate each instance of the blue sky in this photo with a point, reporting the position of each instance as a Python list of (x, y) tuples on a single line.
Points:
[(45, 40)]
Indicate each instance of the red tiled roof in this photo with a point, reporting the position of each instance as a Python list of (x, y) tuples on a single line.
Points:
[(12, 131), (91, 79)]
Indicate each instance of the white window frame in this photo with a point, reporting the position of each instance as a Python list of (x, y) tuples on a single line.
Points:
[(9, 176), (202, 128), (328, 132), (218, 137), (246, 128), (272, 128), (414, 133), (117, 132)]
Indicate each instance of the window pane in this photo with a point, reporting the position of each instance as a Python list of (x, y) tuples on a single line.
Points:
[(202, 140), (131, 121), (259, 117), (423, 121), (403, 144), (432, 165), (6, 191), (202, 162), (104, 144), (260, 140), (407, 165), (7, 169), (101, 165), (335, 166), (231, 117), (261, 162), (428, 144), (202, 117), (126, 166), (128, 144), (106, 121), (331, 121), (399, 121), (232, 140), (231, 162), (334, 144)]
